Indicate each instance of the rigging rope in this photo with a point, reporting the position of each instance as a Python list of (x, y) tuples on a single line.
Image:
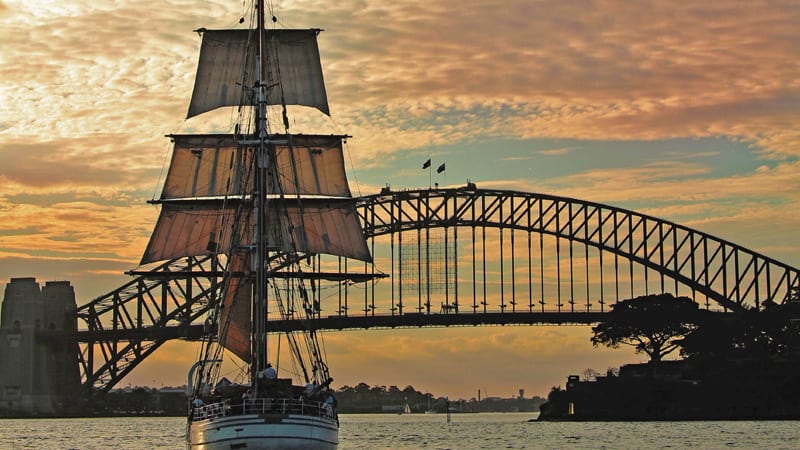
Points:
[(312, 344)]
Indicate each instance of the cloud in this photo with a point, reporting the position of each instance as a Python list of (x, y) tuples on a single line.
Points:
[(91, 276), (90, 161), (604, 71), (554, 151), (675, 182), (76, 229), (90, 88)]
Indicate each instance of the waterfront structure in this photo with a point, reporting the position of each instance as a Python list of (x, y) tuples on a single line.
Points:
[(39, 373), (737, 389)]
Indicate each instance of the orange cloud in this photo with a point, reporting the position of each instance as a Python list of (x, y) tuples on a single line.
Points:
[(89, 91)]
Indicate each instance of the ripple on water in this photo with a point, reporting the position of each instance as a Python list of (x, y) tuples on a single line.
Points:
[(415, 431)]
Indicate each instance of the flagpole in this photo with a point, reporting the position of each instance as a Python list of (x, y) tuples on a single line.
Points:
[(427, 165)]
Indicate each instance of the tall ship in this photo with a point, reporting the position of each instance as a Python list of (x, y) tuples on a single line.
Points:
[(264, 204)]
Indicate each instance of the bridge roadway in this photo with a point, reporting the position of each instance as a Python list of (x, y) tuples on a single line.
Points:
[(416, 320), (340, 323)]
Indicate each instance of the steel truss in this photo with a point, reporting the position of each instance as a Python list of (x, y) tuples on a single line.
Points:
[(123, 327), (732, 276)]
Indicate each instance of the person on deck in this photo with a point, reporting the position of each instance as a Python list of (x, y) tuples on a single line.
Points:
[(197, 403), (269, 372), (265, 378), (330, 401)]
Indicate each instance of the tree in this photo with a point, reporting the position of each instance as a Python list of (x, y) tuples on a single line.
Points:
[(773, 330), (719, 337), (653, 324)]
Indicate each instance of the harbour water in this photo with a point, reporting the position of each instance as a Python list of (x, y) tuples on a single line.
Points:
[(421, 431)]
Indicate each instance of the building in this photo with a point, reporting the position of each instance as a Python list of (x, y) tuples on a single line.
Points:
[(39, 374)]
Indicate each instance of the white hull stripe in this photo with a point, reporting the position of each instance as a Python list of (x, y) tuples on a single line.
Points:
[(265, 437)]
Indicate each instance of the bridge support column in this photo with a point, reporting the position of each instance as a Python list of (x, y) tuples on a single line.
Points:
[(39, 374)]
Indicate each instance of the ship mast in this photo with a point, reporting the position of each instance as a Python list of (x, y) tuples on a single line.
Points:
[(259, 307)]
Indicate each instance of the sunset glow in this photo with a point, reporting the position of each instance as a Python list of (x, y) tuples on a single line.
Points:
[(687, 111)]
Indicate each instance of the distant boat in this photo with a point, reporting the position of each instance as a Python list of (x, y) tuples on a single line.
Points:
[(407, 409)]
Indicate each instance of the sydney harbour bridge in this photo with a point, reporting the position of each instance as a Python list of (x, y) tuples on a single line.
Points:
[(451, 257)]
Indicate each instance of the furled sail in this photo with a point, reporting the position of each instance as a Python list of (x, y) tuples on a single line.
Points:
[(193, 228), (212, 165), (234, 322), (224, 53)]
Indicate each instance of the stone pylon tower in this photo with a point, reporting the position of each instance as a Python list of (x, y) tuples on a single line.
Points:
[(39, 372)]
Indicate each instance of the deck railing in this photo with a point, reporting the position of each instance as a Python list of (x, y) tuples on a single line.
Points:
[(264, 406)]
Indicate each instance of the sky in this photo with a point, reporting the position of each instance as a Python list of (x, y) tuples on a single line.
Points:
[(688, 111)]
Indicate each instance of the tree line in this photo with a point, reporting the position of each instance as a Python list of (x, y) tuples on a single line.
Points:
[(736, 365), (661, 324)]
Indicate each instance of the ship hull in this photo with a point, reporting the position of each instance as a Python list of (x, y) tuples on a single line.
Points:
[(264, 431)]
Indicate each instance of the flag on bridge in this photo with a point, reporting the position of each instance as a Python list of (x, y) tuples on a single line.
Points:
[(426, 164), (440, 169)]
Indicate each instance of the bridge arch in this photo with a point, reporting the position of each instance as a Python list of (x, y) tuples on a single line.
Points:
[(120, 329), (731, 275)]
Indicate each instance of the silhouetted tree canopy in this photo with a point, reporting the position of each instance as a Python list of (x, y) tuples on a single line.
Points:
[(652, 324), (772, 331)]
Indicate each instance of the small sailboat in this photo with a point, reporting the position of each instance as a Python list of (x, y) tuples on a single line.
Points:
[(262, 204)]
